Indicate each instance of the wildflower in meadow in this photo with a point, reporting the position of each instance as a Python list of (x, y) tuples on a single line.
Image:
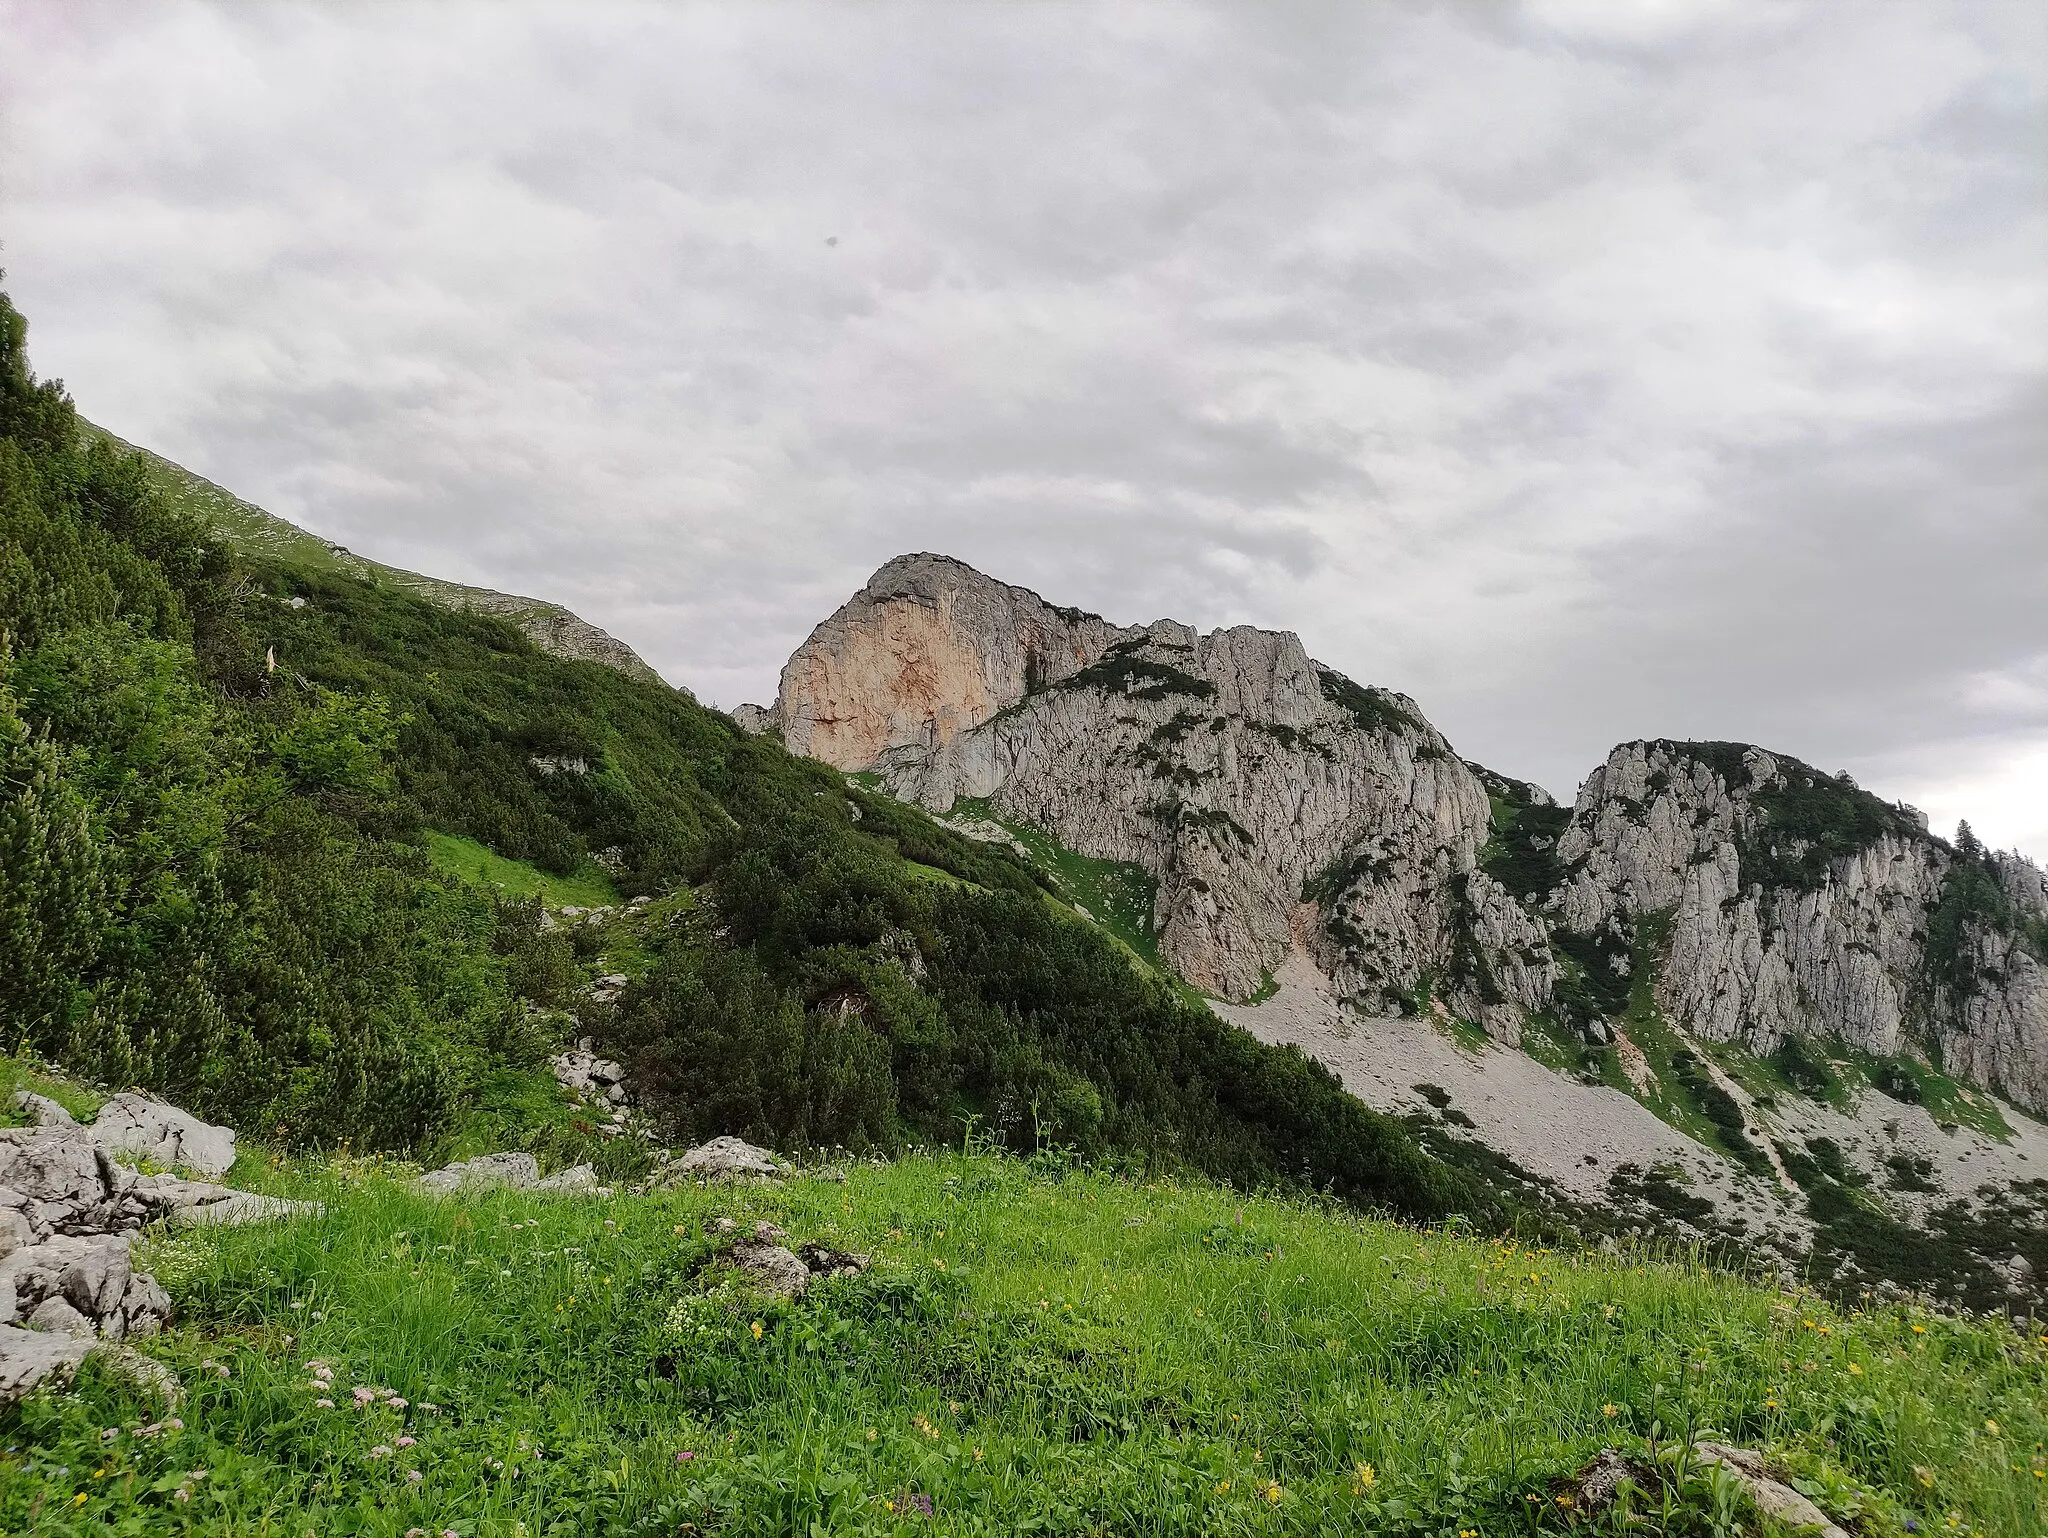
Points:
[(363, 1397), (379, 1451), (413, 1476), (686, 1455), (406, 1442), (323, 1404)]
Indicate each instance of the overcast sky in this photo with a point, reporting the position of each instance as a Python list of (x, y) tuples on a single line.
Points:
[(1588, 369)]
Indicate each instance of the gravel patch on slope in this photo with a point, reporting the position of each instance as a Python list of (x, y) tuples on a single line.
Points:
[(1571, 1134)]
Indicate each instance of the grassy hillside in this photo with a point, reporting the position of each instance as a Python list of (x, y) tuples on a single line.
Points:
[(1036, 1349), (267, 815)]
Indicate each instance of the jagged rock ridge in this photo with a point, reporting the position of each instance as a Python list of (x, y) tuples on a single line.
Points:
[(1242, 775), (1800, 905), (1278, 805)]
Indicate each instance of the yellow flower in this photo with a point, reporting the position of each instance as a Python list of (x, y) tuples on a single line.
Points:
[(1273, 1493), (872, 1433), (1610, 1410), (1855, 1371), (757, 1329), (1919, 1329), (1366, 1476), (977, 1455), (1992, 1427)]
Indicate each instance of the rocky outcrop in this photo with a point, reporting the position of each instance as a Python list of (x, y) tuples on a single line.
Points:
[(69, 1214), (1275, 804), (928, 649), (139, 1124), (1236, 771), (723, 1158), (510, 1172), (1791, 903)]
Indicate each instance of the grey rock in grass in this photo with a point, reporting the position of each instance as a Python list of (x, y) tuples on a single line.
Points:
[(30, 1359), (581, 1177), (55, 1316), (591, 1077), (41, 1110), (1773, 1498), (82, 1283), (724, 1158), (138, 1124), (822, 1260), (513, 1171), (236, 1208), (775, 1270), (1600, 1481)]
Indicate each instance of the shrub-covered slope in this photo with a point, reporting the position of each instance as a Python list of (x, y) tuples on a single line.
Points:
[(219, 776)]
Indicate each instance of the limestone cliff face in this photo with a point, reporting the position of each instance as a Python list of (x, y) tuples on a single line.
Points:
[(928, 649), (1799, 905), (1234, 769)]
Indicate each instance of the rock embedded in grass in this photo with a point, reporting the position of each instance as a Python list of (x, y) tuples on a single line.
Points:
[(723, 1158), (141, 1124), (30, 1360), (41, 1110), (513, 1171), (773, 1269)]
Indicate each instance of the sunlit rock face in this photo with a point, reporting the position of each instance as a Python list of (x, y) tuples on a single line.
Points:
[(1232, 767)]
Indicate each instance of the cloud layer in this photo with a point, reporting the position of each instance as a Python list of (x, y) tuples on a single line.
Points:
[(1591, 369)]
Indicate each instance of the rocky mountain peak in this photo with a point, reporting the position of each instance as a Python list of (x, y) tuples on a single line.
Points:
[(1231, 767), (928, 648)]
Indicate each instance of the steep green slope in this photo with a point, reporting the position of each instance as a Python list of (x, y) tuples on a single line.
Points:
[(1032, 1350), (265, 537), (220, 772)]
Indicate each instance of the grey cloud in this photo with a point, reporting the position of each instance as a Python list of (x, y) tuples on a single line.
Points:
[(1587, 368)]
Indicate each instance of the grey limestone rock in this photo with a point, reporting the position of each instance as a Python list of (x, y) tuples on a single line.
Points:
[(55, 1316), (775, 1270), (518, 1171), (1775, 1499), (139, 1124), (30, 1359), (581, 1177), (1672, 829), (42, 1111), (1232, 768), (723, 1158), (236, 1208), (591, 1077)]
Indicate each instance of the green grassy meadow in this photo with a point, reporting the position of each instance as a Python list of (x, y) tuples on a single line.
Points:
[(1035, 1349), (470, 861)]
